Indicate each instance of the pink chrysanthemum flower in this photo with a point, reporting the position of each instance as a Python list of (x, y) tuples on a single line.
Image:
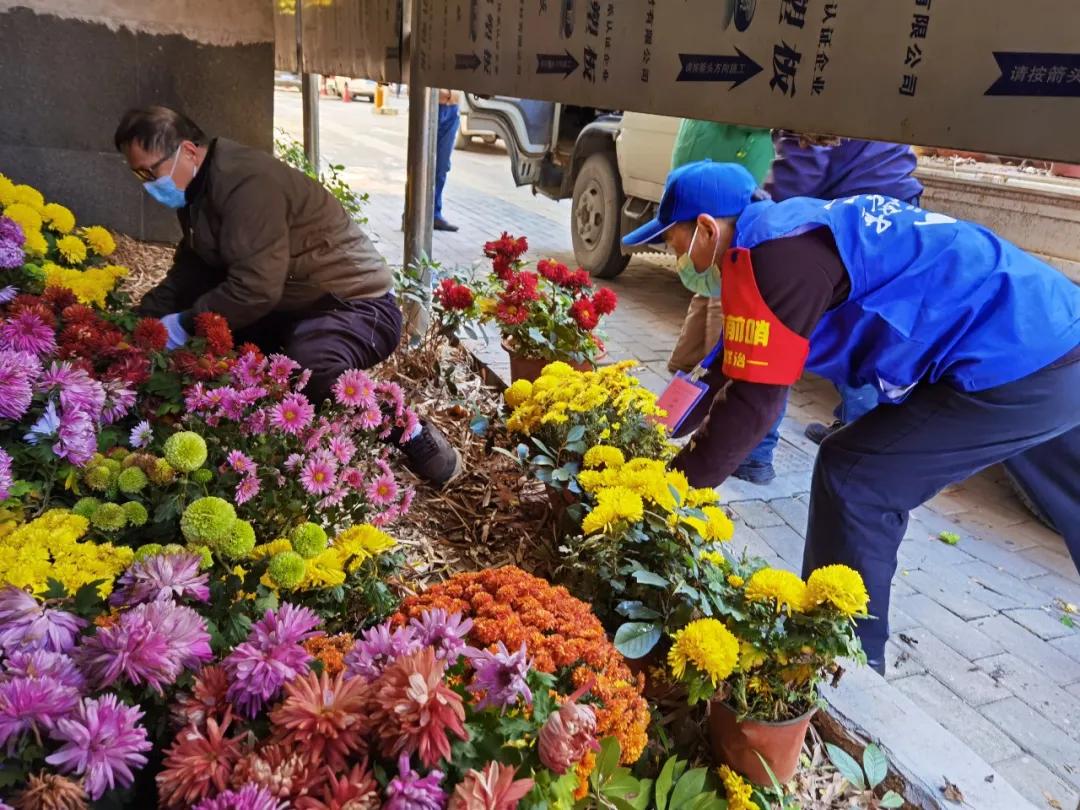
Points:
[(292, 414), (383, 490), (353, 477), (343, 449), (247, 489), (162, 576), (317, 475), (355, 389), (27, 332), (240, 462), (370, 418)]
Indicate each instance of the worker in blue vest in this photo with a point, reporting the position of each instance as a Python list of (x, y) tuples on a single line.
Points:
[(972, 344)]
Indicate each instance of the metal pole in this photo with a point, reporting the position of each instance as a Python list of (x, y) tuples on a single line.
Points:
[(420, 175), (309, 89)]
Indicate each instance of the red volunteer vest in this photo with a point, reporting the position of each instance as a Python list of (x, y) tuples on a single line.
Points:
[(758, 348)]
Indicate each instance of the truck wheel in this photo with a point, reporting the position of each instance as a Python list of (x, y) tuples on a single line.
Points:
[(596, 217)]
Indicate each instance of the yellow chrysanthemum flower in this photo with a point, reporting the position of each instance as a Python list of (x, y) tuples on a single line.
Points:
[(613, 505), (270, 549), (708, 646), (28, 195), (716, 527), (775, 584), (364, 538), (99, 240), (604, 456), (750, 656), (7, 191), (323, 571), (90, 286), (841, 587), (488, 306), (27, 217), (518, 393), (60, 219), (735, 581), (557, 369), (72, 248), (35, 244), (738, 792), (696, 498), (713, 557)]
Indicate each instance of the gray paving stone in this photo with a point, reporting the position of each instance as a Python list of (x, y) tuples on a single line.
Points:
[(961, 636), (920, 549), (1070, 645), (757, 514), (958, 673), (793, 511), (1046, 625), (1001, 583), (1037, 784), (1035, 734), (901, 588), (900, 622), (1017, 639), (755, 545), (1058, 562), (785, 542), (949, 592), (1032, 687), (941, 703), (900, 663), (1003, 557), (1057, 587)]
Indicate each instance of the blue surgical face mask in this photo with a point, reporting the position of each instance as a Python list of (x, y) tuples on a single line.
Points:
[(705, 283), (164, 189)]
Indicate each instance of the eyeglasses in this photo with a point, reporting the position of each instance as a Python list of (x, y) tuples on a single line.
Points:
[(149, 174)]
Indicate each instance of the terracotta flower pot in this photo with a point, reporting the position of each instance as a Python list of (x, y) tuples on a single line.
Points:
[(530, 368), (737, 743)]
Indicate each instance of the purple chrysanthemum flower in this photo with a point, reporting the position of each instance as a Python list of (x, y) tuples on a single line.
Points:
[(58, 375), (251, 796), (240, 462), (162, 576), (335, 498), (18, 372), (195, 398), (27, 332), (8, 294), (102, 742), (369, 418), (119, 400), (26, 625), (11, 255), (141, 435), (32, 705), (46, 426), (270, 657), (377, 648), (293, 461), (247, 489), (7, 480), (445, 632), (500, 676), (81, 392), (355, 389), (152, 643), (77, 440), (409, 791), (44, 664), (11, 231)]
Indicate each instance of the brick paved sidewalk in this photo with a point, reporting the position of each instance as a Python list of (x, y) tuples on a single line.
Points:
[(978, 638)]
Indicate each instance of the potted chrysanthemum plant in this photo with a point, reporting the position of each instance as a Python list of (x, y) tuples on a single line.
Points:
[(547, 315), (761, 659)]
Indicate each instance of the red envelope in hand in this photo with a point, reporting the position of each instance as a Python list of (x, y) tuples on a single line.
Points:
[(679, 399)]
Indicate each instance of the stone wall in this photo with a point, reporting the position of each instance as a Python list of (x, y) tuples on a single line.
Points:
[(70, 68)]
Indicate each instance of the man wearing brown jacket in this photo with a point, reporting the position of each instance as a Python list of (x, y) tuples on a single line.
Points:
[(273, 252)]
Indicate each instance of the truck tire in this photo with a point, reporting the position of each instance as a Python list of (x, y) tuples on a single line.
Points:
[(596, 217)]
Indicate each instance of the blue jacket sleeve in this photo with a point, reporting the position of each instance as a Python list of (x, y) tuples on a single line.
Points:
[(797, 171)]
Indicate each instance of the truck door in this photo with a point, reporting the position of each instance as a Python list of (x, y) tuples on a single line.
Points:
[(525, 125)]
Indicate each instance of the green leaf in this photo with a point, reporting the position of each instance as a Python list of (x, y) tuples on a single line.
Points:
[(689, 786), (635, 639), (634, 609), (875, 765), (576, 433), (1068, 621), (891, 799), (664, 780), (608, 758), (646, 577), (846, 765), (642, 799), (20, 488), (54, 589), (87, 597)]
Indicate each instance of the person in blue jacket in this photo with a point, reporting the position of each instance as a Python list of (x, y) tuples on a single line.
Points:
[(972, 345), (827, 168)]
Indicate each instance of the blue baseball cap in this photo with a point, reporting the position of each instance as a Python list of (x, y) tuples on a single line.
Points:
[(716, 189)]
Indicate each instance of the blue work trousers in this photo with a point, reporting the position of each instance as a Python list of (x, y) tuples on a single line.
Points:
[(449, 120)]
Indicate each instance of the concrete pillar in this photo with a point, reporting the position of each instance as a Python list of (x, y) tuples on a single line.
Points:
[(70, 68)]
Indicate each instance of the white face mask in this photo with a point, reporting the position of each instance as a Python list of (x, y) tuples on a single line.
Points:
[(705, 283)]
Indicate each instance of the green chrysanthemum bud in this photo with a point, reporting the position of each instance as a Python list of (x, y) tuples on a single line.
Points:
[(132, 480), (112, 465), (119, 453), (208, 521), (202, 476), (109, 517), (98, 478), (308, 540), (85, 507), (207, 560), (136, 513), (149, 550), (240, 542), (286, 569), (185, 451), (162, 473), (173, 548)]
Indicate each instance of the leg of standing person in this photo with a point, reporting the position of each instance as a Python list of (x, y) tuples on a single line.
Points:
[(449, 120), (870, 475), (1050, 476), (758, 467)]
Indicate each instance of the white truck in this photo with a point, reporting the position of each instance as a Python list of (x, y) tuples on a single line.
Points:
[(612, 167)]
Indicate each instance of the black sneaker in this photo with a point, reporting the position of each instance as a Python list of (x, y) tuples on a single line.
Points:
[(817, 432), (430, 456), (755, 472), (443, 225)]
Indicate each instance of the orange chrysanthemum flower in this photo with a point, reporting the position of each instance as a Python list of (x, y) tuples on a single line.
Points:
[(286, 771), (206, 700), (412, 710), (50, 791), (494, 788), (323, 716), (331, 651), (198, 762), (355, 790)]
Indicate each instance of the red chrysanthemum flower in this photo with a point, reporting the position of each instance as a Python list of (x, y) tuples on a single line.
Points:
[(34, 304), (59, 298), (453, 296), (522, 287), (553, 271), (150, 333), (204, 368), (198, 762), (207, 699), (132, 367), (250, 348), (605, 300), (355, 790), (79, 313), (507, 246), (584, 314), (502, 267), (579, 280), (511, 314), (414, 711), (323, 715), (214, 329)]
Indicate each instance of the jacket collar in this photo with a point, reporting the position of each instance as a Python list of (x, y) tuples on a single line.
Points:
[(197, 187)]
